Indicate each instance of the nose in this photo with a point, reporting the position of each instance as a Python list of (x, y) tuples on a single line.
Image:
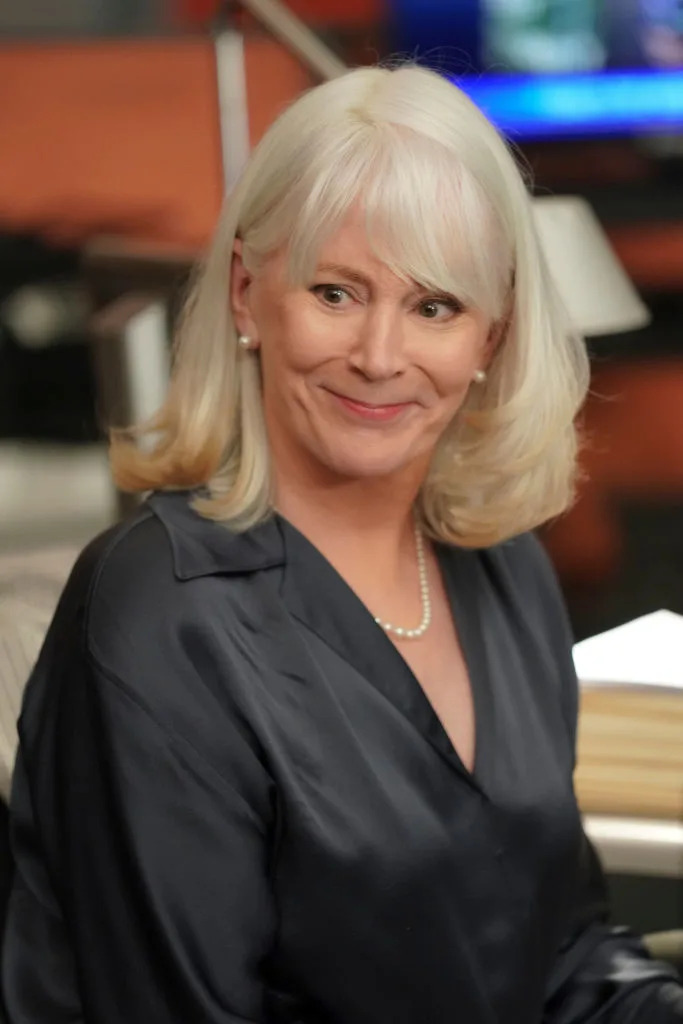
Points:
[(379, 349)]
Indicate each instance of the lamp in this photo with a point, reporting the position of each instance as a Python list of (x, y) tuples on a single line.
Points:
[(597, 294)]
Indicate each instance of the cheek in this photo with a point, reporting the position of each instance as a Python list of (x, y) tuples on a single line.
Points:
[(451, 379), (452, 370), (299, 341)]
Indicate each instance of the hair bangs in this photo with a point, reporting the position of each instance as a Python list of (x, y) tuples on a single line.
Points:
[(326, 193), (310, 199), (427, 219), (430, 222)]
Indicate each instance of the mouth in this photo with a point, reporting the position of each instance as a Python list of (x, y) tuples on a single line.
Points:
[(371, 410)]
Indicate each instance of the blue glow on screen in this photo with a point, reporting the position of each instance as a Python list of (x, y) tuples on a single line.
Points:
[(613, 102)]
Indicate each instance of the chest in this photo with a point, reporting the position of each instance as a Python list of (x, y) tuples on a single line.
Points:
[(438, 663), (394, 868), (407, 889), (437, 660)]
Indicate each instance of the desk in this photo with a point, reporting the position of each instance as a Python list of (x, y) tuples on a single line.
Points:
[(629, 778)]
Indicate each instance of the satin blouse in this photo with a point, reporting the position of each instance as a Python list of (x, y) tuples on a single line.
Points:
[(233, 801)]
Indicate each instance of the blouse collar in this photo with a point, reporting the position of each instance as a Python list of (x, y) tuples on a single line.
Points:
[(318, 597), (202, 547)]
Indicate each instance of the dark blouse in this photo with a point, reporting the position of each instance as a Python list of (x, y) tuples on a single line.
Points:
[(234, 803)]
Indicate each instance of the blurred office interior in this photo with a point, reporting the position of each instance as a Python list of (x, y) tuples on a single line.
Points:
[(112, 174)]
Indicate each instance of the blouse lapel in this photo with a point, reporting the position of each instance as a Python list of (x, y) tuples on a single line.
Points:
[(462, 573), (317, 596)]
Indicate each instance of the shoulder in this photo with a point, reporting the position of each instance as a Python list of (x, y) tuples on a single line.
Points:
[(160, 601), (523, 565), (129, 561), (131, 656), (515, 582), (121, 581), (95, 582), (133, 631), (522, 572), (127, 600), (129, 570), (525, 575)]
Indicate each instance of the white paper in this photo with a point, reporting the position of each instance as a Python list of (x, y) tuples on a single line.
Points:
[(647, 651)]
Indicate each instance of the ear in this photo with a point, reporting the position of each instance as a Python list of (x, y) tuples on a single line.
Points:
[(240, 294)]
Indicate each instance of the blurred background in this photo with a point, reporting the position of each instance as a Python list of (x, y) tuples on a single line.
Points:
[(111, 178), (119, 122)]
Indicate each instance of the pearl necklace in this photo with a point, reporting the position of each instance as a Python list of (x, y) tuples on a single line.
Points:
[(412, 634)]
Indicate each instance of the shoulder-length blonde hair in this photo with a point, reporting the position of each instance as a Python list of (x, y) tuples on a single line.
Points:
[(446, 206)]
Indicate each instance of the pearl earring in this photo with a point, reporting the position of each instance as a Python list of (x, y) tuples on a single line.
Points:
[(479, 376), (244, 341)]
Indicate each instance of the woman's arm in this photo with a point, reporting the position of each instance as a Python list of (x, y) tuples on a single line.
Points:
[(602, 975), (142, 893)]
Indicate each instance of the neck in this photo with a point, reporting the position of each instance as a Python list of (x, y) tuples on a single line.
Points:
[(361, 520), (347, 509), (365, 529)]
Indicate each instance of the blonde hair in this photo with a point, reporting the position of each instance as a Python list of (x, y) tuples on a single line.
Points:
[(446, 206)]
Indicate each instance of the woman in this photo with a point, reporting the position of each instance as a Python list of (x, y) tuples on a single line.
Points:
[(299, 745)]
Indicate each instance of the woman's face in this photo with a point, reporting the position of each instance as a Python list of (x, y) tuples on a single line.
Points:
[(362, 371)]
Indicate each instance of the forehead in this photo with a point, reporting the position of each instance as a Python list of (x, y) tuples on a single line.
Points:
[(347, 244), (349, 235), (351, 246), (346, 253), (436, 231)]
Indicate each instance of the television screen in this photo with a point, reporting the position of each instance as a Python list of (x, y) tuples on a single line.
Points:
[(553, 68)]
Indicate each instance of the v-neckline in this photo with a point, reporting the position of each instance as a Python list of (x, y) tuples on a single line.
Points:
[(317, 595), (460, 573)]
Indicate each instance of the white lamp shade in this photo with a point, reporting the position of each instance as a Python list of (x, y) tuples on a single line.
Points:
[(597, 294)]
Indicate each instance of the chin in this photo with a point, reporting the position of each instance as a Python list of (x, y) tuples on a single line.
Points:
[(365, 464)]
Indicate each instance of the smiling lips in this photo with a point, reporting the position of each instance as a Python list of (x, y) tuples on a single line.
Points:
[(366, 411)]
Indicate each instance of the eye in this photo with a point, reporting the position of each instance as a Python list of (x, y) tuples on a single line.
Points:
[(331, 294), (439, 308)]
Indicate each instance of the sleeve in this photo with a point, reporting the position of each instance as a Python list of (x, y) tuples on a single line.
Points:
[(163, 909), (602, 974)]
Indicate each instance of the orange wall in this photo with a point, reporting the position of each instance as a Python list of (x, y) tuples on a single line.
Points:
[(333, 12), (122, 137)]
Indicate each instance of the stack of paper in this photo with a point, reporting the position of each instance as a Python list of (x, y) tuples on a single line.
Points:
[(645, 652), (630, 743)]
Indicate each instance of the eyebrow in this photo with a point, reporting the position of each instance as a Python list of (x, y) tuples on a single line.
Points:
[(343, 271), (357, 277)]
